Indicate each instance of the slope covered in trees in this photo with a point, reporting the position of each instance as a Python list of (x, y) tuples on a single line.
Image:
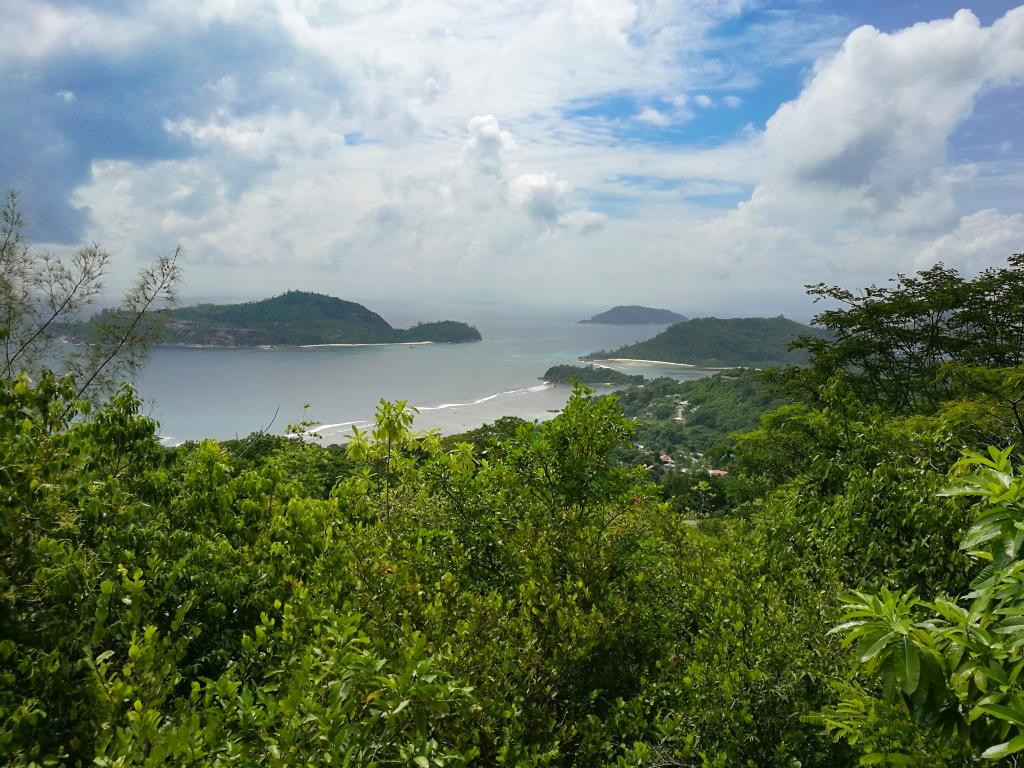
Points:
[(564, 374), (293, 318), (635, 315), (716, 406), (528, 599), (710, 341)]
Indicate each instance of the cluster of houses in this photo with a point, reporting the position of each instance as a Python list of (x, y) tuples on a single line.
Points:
[(694, 463)]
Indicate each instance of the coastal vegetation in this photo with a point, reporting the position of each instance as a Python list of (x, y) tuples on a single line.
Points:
[(566, 374), (635, 315), (754, 342), (527, 597), (701, 414), (291, 319)]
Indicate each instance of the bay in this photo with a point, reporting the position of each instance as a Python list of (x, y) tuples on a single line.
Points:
[(200, 393)]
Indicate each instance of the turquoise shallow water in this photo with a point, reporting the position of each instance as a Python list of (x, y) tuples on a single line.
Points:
[(224, 393)]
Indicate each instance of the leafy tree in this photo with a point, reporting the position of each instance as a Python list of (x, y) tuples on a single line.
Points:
[(949, 668), (893, 341), (40, 293)]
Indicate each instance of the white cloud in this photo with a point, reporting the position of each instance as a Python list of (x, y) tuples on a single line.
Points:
[(270, 136), (866, 140), (541, 195), (653, 117), (584, 222), (449, 218), (443, 139), (484, 150), (979, 241)]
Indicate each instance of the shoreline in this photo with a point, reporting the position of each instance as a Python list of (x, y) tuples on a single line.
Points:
[(539, 402), (183, 345), (628, 360), (173, 345)]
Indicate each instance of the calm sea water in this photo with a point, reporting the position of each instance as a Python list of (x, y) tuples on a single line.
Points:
[(226, 393)]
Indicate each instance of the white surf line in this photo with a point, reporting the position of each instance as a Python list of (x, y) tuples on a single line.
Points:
[(325, 427), (627, 360), (478, 401), (443, 406)]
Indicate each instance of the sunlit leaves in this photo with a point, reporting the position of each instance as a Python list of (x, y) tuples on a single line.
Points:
[(966, 655)]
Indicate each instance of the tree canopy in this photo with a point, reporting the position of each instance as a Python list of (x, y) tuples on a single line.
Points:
[(526, 597)]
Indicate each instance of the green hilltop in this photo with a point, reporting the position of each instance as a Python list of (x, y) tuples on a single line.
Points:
[(718, 342), (298, 318), (635, 315), (567, 374)]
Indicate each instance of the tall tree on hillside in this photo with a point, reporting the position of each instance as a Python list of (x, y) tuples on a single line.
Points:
[(894, 343)]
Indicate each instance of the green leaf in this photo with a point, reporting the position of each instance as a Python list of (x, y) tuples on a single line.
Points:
[(876, 647), (402, 705), (1010, 714), (999, 751), (910, 666)]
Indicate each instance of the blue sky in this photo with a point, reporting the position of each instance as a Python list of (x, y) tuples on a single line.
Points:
[(708, 156)]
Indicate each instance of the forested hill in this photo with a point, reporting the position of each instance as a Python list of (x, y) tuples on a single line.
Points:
[(635, 315), (838, 587), (712, 341), (295, 318), (566, 374)]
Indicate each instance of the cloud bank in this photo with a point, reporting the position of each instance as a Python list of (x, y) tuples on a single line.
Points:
[(582, 150)]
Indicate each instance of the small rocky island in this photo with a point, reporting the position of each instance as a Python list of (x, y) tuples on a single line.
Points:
[(635, 315), (295, 318), (566, 374)]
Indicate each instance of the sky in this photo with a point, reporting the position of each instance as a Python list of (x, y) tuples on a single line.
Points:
[(709, 156)]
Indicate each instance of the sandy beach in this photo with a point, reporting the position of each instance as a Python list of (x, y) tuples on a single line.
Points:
[(537, 403)]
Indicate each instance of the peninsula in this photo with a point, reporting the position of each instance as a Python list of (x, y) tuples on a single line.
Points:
[(295, 318), (711, 342), (635, 315)]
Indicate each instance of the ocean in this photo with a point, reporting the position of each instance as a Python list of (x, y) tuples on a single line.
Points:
[(227, 393)]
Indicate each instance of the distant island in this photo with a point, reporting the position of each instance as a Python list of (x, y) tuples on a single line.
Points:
[(295, 318), (711, 342), (564, 374), (635, 315)]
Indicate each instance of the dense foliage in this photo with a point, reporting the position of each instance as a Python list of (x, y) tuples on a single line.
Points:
[(293, 318), (894, 342), (635, 315), (756, 342), (566, 374), (715, 407), (523, 597)]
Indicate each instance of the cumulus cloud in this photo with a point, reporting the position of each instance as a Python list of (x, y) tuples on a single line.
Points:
[(541, 195), (484, 150), (980, 240), (868, 135), (653, 116), (476, 144), (582, 221)]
